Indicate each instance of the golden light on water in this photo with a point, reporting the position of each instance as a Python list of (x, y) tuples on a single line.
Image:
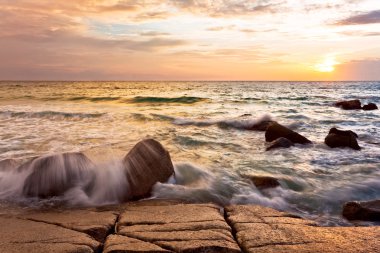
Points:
[(327, 65)]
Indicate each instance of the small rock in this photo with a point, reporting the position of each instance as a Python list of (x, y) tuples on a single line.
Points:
[(349, 104), (370, 107), (263, 182), (280, 143), (275, 131), (339, 138), (147, 163), (8, 165), (54, 175), (368, 211)]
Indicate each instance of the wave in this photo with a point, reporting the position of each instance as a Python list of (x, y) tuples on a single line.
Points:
[(94, 99), (161, 100), (243, 124), (50, 114)]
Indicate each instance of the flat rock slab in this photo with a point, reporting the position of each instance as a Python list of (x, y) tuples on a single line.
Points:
[(17, 235), (260, 229), (96, 224), (172, 228)]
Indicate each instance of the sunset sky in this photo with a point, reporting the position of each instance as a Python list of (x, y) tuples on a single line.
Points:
[(190, 40)]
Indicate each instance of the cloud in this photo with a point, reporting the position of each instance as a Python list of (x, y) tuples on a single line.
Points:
[(359, 70), (371, 17)]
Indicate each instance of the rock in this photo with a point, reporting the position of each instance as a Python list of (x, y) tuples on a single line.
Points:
[(349, 104), (261, 229), (280, 143), (368, 211), (370, 107), (119, 243), (263, 182), (339, 138), (54, 175), (174, 227), (146, 164), (96, 224), (8, 165), (19, 236), (275, 131), (261, 126)]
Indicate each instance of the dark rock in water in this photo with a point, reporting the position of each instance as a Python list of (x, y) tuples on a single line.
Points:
[(280, 143), (146, 164), (339, 138), (349, 104), (275, 131), (8, 165), (368, 211), (261, 126), (54, 175), (370, 107), (264, 182)]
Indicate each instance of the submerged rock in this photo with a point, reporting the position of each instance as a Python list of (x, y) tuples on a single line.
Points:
[(280, 143), (275, 131), (339, 138), (370, 107), (8, 165), (264, 182), (349, 104), (368, 211), (146, 164), (54, 175)]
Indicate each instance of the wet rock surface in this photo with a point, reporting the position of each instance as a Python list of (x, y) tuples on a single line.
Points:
[(354, 104), (275, 131), (280, 143), (368, 211), (340, 139), (147, 163), (170, 226), (370, 107), (263, 182)]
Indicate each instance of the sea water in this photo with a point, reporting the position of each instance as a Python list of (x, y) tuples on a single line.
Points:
[(203, 126)]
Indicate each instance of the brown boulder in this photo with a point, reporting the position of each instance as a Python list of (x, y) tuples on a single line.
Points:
[(147, 163), (54, 175), (280, 143), (370, 107), (349, 104), (339, 138), (275, 131), (369, 211), (264, 182)]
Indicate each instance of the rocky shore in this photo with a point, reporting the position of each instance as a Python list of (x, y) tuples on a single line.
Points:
[(169, 226)]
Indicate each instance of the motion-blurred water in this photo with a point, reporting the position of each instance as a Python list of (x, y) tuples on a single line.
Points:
[(202, 125)]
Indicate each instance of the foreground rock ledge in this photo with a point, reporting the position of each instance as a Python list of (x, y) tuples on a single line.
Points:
[(169, 226)]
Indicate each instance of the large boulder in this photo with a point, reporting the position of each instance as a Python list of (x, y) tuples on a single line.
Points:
[(339, 138), (147, 163), (53, 175), (280, 143), (370, 107), (349, 104), (275, 131), (368, 211)]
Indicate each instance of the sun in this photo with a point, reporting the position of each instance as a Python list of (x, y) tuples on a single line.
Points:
[(328, 65)]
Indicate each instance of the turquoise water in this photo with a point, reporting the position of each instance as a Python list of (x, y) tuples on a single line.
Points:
[(202, 125)]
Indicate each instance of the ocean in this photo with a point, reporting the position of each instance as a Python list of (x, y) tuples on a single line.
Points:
[(203, 126)]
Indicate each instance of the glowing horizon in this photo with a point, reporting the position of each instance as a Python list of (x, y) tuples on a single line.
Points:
[(268, 40)]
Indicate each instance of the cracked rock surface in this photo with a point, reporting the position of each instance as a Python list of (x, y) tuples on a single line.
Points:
[(260, 229), (168, 226)]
